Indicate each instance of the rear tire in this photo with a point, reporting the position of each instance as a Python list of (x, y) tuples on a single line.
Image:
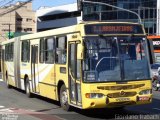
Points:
[(64, 98)]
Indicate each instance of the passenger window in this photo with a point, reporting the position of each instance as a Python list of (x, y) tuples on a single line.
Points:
[(9, 48), (6, 52), (41, 56), (61, 50), (47, 50), (25, 52)]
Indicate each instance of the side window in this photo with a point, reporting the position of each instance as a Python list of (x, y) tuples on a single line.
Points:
[(47, 50), (11, 51), (9, 48), (41, 59), (61, 50), (25, 52), (6, 52)]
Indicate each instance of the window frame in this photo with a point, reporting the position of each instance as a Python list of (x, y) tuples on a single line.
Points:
[(9, 52), (27, 49), (61, 50), (43, 51)]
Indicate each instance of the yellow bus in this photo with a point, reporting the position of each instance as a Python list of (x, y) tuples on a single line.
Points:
[(88, 65)]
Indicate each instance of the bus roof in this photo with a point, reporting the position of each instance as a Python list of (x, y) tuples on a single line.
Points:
[(61, 31)]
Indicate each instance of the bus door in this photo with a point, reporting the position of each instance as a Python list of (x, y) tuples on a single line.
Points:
[(74, 74), (34, 68)]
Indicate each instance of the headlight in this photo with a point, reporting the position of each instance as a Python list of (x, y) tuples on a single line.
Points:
[(94, 95), (145, 92)]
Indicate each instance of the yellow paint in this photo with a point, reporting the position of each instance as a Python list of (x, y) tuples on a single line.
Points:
[(101, 102), (49, 80), (47, 91)]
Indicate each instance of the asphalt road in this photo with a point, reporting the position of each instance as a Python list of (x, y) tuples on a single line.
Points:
[(15, 105)]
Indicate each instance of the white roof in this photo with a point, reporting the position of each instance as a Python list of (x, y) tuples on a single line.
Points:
[(57, 9)]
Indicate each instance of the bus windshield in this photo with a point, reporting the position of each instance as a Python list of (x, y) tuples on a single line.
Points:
[(115, 59)]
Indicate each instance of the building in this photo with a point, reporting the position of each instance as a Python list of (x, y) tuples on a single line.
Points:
[(59, 16), (147, 9), (19, 21), (158, 17)]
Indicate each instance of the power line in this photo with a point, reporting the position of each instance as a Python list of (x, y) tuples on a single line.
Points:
[(15, 8), (9, 2), (2, 1)]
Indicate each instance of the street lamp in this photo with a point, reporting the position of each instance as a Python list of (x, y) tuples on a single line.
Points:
[(114, 7)]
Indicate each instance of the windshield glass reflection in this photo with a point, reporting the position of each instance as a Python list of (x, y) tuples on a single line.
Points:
[(115, 59)]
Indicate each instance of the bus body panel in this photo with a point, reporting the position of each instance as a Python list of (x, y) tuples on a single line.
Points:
[(9, 74), (45, 78), (120, 95)]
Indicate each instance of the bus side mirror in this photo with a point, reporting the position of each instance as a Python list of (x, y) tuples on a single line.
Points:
[(158, 70), (79, 51)]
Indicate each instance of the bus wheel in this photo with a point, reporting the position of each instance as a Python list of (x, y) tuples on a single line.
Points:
[(154, 85), (64, 98), (28, 92)]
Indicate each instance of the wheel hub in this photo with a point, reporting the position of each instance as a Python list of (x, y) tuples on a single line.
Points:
[(64, 97)]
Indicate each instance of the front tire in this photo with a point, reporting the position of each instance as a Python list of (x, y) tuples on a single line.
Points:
[(64, 98)]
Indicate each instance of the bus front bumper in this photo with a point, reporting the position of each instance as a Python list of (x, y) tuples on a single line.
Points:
[(116, 102)]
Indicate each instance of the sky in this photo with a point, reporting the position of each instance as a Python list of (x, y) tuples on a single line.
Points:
[(38, 3), (50, 3)]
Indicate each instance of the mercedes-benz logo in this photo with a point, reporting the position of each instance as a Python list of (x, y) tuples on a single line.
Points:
[(122, 93)]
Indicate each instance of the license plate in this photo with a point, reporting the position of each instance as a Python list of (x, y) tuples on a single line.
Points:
[(122, 99), (144, 98)]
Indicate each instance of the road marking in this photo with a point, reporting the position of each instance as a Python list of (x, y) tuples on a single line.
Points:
[(41, 115), (156, 108), (5, 110)]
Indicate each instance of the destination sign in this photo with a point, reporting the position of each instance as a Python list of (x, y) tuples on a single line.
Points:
[(113, 29)]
